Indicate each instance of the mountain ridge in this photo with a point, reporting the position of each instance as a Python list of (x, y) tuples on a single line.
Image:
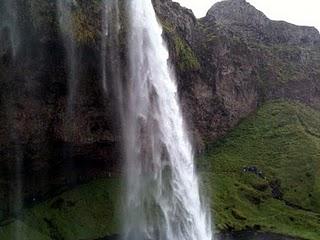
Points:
[(240, 15)]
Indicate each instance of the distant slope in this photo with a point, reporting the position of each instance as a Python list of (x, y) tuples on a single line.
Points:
[(265, 175)]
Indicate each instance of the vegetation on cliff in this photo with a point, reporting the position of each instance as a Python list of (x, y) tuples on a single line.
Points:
[(187, 59)]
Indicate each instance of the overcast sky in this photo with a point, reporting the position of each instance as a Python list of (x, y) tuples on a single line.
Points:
[(300, 12)]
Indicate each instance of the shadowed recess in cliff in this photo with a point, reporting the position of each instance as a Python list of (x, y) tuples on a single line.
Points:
[(163, 197)]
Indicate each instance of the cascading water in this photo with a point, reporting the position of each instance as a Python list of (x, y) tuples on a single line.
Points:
[(8, 22), (64, 12), (105, 31), (9, 30), (163, 199), (110, 56), (64, 9)]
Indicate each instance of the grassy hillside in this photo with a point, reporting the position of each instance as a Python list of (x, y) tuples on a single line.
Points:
[(265, 174)]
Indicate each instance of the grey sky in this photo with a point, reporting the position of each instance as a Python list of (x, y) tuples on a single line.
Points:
[(300, 12)]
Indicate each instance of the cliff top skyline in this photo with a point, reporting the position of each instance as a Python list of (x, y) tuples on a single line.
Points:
[(303, 13)]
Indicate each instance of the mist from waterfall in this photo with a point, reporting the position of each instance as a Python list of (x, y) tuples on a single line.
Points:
[(105, 34), (163, 201), (110, 54), (66, 27), (9, 31), (64, 11), (9, 23)]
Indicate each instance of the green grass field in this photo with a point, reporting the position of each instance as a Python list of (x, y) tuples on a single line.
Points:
[(282, 140)]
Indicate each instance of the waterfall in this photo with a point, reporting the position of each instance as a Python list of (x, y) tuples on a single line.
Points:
[(105, 34), (64, 13), (9, 23), (9, 32), (64, 10), (163, 200), (110, 55), (111, 71)]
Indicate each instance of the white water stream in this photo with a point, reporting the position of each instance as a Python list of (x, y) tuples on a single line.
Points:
[(163, 198)]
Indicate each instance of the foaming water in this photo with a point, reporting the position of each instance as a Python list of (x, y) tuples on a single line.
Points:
[(163, 199)]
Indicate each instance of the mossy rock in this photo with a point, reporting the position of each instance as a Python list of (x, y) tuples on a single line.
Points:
[(187, 60)]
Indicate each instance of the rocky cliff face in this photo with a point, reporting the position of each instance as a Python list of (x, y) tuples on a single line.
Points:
[(244, 59), (227, 63)]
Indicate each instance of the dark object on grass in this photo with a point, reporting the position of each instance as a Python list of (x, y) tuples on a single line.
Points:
[(255, 170)]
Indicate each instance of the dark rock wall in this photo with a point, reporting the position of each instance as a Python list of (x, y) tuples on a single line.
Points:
[(56, 149)]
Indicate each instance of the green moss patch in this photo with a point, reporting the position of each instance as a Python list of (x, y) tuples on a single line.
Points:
[(187, 59)]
